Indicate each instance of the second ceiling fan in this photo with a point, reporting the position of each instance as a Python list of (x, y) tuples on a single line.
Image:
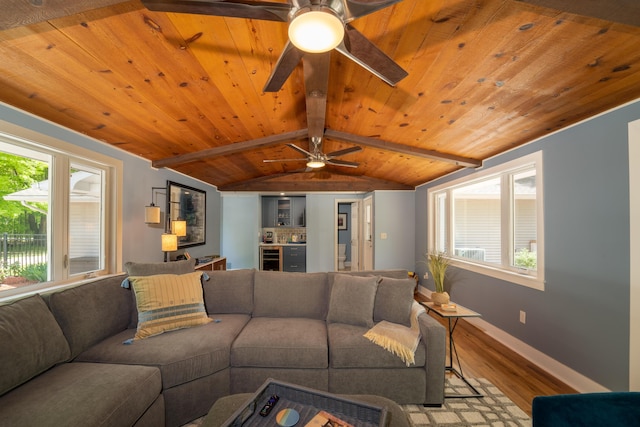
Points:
[(316, 27), (317, 159)]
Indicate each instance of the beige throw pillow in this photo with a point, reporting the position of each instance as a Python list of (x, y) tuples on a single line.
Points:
[(167, 302)]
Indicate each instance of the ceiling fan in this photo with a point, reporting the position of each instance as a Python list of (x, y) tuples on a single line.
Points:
[(317, 159), (316, 27)]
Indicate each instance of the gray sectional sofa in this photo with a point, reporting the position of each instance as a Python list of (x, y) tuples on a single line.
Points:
[(64, 360)]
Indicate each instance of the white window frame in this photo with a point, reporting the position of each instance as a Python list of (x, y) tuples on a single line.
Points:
[(63, 154), (532, 279)]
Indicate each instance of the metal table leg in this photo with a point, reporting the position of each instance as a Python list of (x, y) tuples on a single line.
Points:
[(451, 368)]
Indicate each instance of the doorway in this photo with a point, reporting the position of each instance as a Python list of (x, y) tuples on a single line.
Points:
[(348, 236), (367, 227)]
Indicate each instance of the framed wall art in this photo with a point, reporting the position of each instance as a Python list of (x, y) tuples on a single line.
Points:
[(188, 204), (342, 221)]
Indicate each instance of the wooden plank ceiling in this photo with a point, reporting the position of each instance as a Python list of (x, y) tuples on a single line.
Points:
[(185, 91)]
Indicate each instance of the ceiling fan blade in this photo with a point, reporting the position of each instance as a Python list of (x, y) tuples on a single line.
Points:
[(316, 83), (343, 163), (360, 50), (301, 150), (19, 13), (355, 9), (250, 9), (288, 61), (344, 152)]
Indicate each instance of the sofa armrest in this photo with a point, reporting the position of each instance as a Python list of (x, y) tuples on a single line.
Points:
[(433, 338)]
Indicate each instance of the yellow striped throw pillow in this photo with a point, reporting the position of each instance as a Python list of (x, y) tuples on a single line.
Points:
[(167, 302)]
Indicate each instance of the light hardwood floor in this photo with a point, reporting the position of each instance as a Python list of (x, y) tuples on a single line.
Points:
[(484, 357)]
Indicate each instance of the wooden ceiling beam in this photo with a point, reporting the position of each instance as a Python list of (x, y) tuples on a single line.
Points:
[(622, 11), (16, 13), (405, 149), (301, 180), (230, 149)]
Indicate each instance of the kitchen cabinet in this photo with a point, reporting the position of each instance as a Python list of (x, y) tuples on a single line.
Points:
[(284, 211), (269, 211), (294, 258), (299, 212)]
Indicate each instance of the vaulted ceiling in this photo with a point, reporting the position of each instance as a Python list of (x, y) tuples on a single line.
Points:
[(186, 90)]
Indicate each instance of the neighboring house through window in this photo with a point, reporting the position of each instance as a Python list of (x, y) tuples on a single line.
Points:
[(492, 222), (57, 216)]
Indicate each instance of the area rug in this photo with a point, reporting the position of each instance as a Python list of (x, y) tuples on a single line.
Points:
[(494, 409)]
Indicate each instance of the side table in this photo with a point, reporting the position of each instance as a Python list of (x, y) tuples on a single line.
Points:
[(219, 263), (452, 318)]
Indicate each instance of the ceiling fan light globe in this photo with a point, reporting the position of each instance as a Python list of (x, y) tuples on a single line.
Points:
[(315, 164), (316, 31)]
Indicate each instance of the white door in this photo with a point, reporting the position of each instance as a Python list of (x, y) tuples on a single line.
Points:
[(367, 255), (355, 237)]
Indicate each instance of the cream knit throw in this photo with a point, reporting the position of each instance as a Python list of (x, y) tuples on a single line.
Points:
[(399, 339)]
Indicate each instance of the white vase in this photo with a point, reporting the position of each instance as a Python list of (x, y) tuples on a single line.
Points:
[(440, 298)]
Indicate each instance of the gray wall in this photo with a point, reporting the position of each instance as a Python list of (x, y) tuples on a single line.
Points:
[(140, 242), (393, 213), (241, 215), (581, 319)]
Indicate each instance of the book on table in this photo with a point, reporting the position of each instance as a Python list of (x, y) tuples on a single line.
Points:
[(325, 419)]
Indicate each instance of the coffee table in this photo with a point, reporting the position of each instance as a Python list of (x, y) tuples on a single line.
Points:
[(228, 407)]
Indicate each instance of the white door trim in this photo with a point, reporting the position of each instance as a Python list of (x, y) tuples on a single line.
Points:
[(634, 252)]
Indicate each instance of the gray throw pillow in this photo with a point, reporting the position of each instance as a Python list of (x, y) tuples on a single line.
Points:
[(394, 300), (32, 341), (352, 300)]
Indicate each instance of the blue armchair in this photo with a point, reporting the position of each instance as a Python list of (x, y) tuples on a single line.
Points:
[(618, 409)]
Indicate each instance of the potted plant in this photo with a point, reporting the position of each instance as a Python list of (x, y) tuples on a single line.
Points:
[(438, 263)]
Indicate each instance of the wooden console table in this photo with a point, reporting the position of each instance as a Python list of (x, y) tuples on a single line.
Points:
[(214, 264), (455, 316)]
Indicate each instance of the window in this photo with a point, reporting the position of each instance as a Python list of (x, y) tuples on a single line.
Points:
[(492, 222), (57, 221)]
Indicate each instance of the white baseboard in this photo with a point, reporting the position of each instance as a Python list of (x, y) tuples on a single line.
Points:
[(564, 373)]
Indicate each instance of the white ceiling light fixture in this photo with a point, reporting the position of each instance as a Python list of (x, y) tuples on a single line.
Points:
[(315, 164), (316, 30)]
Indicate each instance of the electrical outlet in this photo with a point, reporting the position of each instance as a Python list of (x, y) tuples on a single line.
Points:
[(523, 317), (426, 276), (383, 236)]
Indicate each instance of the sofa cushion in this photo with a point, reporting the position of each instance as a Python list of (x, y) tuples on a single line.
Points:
[(352, 300), (229, 291), (284, 294), (153, 268), (32, 341), (393, 274), (83, 394), (182, 356), (350, 349), (393, 300), (281, 343), (167, 302), (91, 312)]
